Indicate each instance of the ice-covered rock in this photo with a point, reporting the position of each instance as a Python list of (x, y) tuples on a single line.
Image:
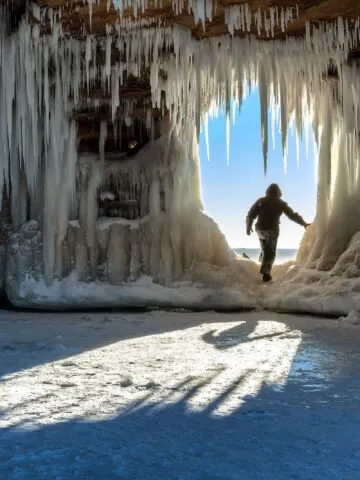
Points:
[(353, 317), (332, 292), (128, 252)]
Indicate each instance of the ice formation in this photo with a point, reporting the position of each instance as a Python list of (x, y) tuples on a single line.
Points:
[(240, 18), (57, 225)]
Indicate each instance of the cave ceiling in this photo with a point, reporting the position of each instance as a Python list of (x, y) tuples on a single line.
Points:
[(75, 15), (77, 20)]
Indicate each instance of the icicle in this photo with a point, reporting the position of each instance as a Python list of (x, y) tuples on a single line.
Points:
[(282, 19), (247, 17), (297, 138), (209, 10), (88, 60), (227, 106), (227, 135), (258, 21), (263, 90), (148, 119), (273, 121), (207, 137), (108, 45), (272, 20), (90, 3), (284, 120), (308, 34), (102, 141), (341, 32)]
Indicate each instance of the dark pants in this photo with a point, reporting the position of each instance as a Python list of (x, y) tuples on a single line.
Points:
[(268, 243)]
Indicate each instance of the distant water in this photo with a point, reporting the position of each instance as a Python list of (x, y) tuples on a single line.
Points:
[(283, 254)]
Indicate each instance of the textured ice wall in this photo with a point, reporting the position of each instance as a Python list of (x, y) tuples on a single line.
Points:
[(174, 242), (333, 292), (330, 250)]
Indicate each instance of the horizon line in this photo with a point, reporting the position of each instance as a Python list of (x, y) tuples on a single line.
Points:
[(258, 248)]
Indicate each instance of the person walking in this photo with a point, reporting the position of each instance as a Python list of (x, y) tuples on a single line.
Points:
[(268, 211)]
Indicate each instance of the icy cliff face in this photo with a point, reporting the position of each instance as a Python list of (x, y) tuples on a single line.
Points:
[(42, 80), (172, 242)]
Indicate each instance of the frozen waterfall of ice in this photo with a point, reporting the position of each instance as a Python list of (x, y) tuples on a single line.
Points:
[(57, 232)]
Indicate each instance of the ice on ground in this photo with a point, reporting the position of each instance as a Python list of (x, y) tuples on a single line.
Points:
[(178, 396), (314, 292), (71, 293), (131, 270), (334, 292)]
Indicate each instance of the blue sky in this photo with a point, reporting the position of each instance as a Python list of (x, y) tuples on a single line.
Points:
[(229, 191)]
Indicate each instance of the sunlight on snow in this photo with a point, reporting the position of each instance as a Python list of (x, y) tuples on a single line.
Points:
[(240, 376), (210, 368)]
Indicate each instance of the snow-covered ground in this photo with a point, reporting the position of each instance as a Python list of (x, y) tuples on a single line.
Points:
[(173, 395)]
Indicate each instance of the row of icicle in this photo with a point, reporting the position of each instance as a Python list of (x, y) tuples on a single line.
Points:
[(144, 49), (238, 17)]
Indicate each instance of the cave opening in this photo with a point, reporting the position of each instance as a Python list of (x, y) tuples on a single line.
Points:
[(229, 189)]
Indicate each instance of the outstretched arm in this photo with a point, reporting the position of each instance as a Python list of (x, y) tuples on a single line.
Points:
[(253, 213), (295, 217)]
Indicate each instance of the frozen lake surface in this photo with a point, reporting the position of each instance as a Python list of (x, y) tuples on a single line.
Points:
[(172, 395)]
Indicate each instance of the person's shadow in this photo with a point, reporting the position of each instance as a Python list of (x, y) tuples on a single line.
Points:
[(237, 335)]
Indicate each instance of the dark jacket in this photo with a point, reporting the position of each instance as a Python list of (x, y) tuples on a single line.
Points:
[(268, 211)]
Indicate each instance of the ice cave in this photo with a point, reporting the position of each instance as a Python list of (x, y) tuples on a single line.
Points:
[(101, 105)]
